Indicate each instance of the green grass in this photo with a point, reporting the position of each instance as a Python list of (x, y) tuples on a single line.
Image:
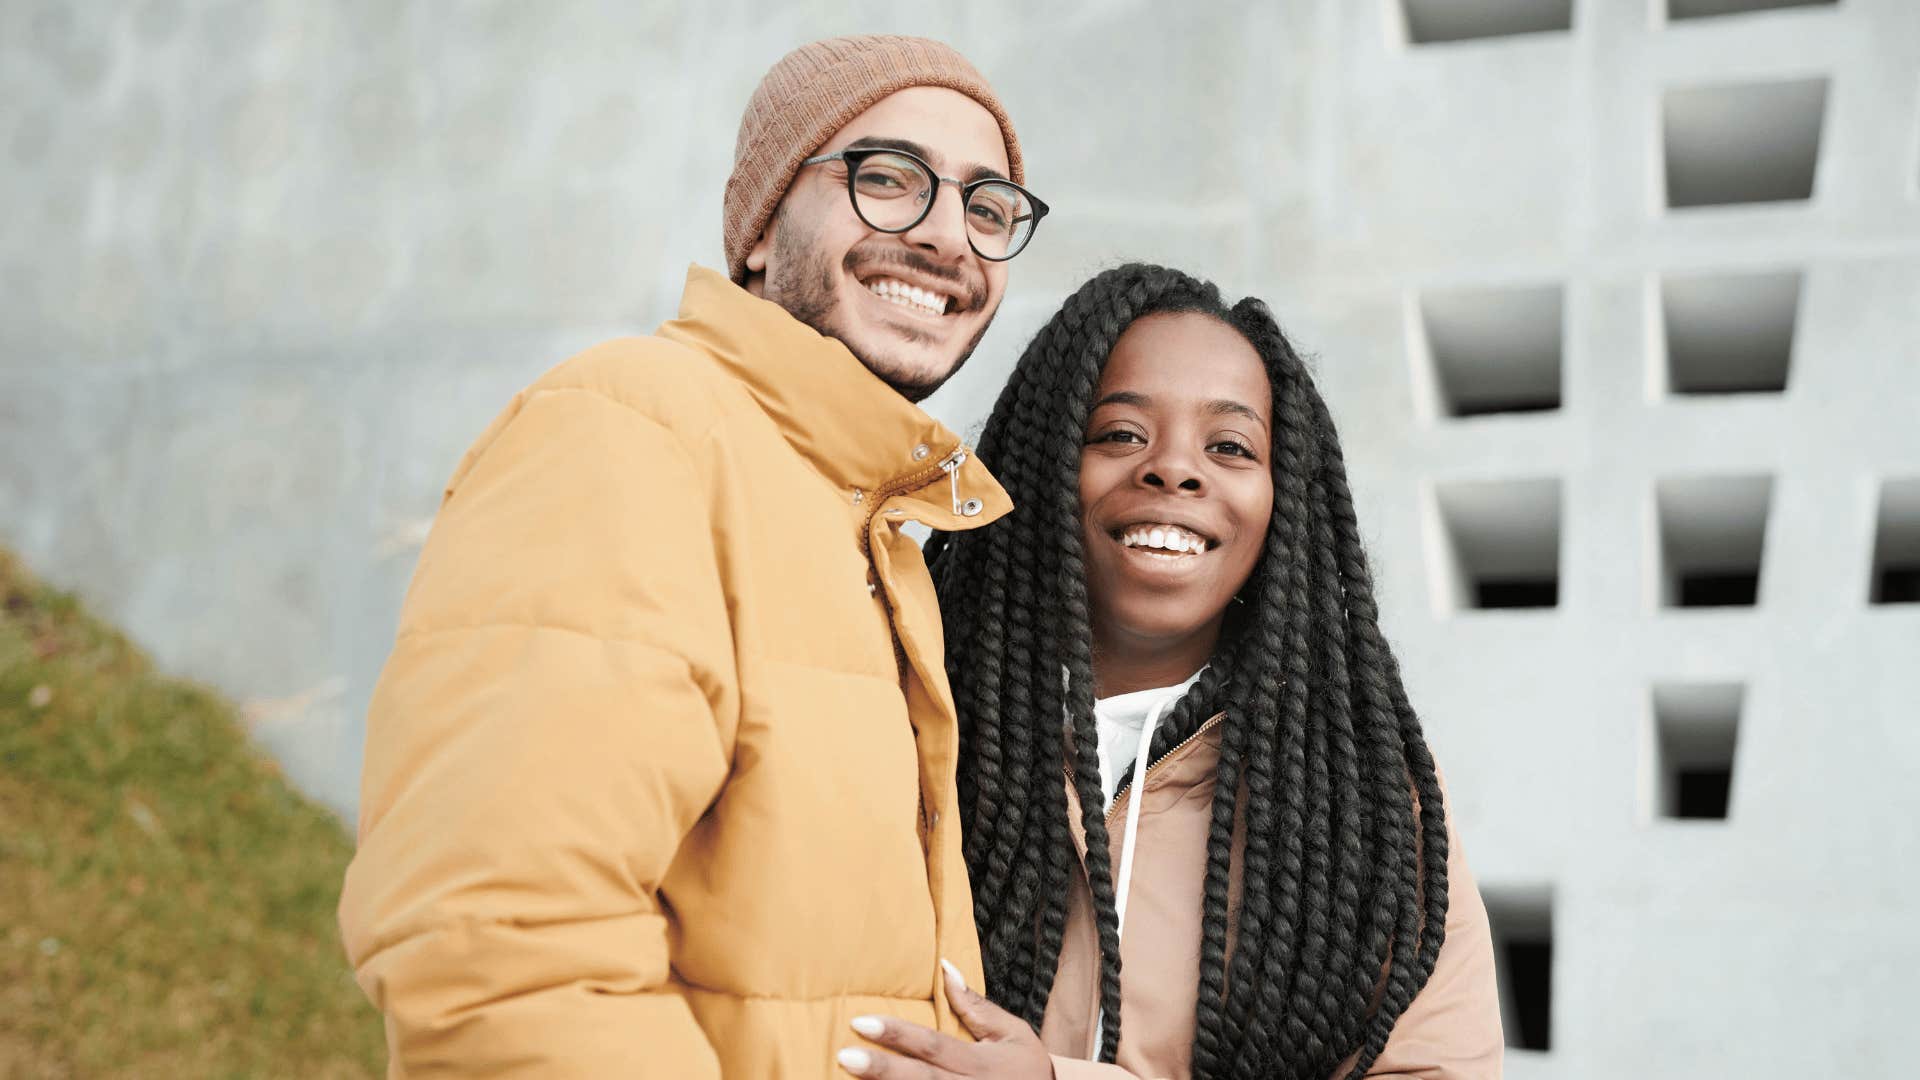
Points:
[(166, 898)]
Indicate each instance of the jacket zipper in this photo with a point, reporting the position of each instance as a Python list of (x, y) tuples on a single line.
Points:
[(949, 465), (1213, 720), (1126, 785)]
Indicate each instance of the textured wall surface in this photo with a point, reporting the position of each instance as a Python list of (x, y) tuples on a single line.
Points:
[(267, 266)]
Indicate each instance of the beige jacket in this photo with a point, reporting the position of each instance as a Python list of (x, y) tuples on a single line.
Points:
[(660, 774), (1450, 1032)]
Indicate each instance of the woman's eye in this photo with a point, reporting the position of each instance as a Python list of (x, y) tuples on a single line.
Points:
[(1120, 436), (1231, 447)]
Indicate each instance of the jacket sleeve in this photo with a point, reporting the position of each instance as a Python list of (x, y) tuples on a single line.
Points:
[(1451, 1031), (557, 714)]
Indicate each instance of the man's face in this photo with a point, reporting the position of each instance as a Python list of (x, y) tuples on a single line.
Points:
[(824, 265)]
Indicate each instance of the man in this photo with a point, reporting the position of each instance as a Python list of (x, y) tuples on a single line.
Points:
[(659, 775)]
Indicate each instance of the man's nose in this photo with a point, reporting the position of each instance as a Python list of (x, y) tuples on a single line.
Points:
[(943, 232)]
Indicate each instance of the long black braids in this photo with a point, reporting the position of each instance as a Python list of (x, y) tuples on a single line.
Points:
[(1324, 775)]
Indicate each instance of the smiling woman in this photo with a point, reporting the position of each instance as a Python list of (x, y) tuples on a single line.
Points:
[(1218, 846), (1175, 495)]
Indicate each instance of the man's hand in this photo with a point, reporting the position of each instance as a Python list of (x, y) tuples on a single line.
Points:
[(1008, 1049)]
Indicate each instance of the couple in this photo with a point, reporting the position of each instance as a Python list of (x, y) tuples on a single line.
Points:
[(674, 772)]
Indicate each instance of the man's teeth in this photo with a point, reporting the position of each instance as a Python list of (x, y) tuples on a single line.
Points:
[(1164, 538), (906, 295)]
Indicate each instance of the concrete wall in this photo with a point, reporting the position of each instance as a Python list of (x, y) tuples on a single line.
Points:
[(268, 265)]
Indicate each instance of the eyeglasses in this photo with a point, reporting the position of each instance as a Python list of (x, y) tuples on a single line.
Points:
[(892, 191)]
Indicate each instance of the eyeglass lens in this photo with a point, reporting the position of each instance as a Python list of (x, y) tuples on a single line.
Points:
[(891, 192)]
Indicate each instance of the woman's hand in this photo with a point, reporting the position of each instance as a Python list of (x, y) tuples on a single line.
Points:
[(1008, 1049)]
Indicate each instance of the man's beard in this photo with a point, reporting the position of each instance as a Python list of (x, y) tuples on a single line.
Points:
[(804, 285)]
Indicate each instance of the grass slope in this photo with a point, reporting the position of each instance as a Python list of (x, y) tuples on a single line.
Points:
[(166, 899)]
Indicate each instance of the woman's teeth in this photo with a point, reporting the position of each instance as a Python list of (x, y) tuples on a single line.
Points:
[(910, 296), (1164, 538)]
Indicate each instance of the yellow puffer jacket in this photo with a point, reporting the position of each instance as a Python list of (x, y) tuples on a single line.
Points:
[(659, 775)]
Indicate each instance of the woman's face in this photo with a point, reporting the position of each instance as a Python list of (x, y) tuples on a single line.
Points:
[(1176, 492)]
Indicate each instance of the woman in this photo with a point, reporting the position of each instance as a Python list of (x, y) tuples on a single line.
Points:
[(1183, 581)]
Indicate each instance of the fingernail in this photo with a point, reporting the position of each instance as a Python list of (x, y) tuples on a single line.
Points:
[(870, 1026), (953, 973), (854, 1060)]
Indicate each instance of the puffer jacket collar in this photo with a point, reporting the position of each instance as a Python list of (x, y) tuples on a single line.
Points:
[(855, 430)]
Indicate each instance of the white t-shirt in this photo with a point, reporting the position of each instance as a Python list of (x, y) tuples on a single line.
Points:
[(1119, 720)]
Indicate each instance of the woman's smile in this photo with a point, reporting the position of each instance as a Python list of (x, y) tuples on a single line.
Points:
[(1165, 537)]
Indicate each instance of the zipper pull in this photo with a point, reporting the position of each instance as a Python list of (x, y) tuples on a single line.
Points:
[(951, 466)]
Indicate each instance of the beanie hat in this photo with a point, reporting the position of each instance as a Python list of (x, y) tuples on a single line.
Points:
[(810, 94)]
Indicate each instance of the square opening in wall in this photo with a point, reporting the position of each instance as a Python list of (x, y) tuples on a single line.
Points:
[(1707, 9), (1744, 142), (1896, 544), (1502, 543), (1729, 333), (1696, 727), (1713, 530), (1522, 923), (1432, 21), (1495, 350)]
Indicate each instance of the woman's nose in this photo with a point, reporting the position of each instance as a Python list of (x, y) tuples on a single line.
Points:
[(1171, 472)]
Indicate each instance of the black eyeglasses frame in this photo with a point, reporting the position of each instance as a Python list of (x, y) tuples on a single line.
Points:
[(853, 157)]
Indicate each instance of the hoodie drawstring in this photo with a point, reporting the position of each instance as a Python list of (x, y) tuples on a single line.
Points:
[(1123, 882), (1123, 878)]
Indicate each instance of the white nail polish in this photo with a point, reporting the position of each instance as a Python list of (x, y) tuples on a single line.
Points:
[(870, 1026), (854, 1060), (953, 973)]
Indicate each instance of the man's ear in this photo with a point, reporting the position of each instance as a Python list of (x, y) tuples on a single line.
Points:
[(757, 262)]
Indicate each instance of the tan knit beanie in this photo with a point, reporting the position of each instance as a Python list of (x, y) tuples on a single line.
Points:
[(810, 94)]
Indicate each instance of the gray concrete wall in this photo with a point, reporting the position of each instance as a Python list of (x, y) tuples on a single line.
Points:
[(268, 266)]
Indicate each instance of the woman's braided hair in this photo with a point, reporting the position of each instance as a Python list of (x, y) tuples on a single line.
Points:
[(1344, 877)]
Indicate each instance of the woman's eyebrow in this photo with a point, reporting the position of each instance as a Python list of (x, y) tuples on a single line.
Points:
[(1125, 397), (1229, 407), (1216, 407)]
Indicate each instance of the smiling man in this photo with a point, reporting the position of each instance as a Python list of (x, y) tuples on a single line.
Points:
[(659, 774)]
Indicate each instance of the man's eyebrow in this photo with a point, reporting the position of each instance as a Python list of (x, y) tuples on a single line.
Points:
[(1229, 407), (882, 142), (885, 142)]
